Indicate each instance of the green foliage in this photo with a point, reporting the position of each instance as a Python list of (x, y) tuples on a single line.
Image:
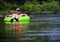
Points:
[(50, 7), (54, 6), (30, 6), (45, 7)]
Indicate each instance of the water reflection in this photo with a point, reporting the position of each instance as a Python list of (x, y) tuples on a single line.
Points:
[(41, 29)]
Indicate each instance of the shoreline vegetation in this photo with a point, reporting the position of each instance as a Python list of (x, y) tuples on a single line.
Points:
[(30, 7)]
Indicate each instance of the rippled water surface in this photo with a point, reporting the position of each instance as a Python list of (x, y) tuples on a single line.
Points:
[(40, 29)]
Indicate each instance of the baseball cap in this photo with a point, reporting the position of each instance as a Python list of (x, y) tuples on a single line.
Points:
[(17, 9)]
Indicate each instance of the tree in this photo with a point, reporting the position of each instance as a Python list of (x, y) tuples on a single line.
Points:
[(30, 7), (50, 7)]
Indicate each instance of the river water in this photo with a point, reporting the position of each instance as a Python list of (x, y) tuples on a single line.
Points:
[(42, 28)]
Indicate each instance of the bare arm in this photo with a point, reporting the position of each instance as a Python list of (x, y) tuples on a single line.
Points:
[(8, 15), (24, 14)]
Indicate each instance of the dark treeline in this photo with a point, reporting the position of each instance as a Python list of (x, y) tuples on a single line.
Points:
[(30, 6)]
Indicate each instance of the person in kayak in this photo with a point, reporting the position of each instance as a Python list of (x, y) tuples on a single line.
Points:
[(16, 15)]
